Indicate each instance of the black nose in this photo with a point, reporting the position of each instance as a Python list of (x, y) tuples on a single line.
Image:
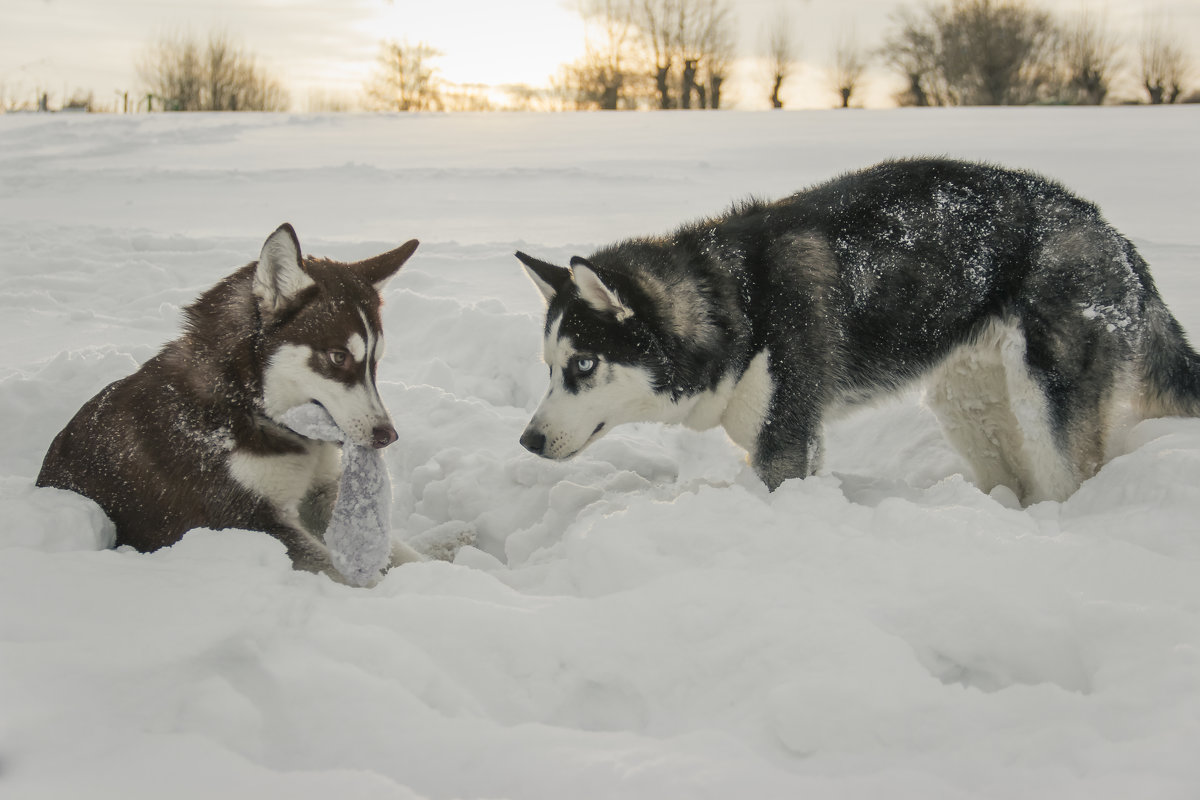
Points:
[(382, 436), (534, 442)]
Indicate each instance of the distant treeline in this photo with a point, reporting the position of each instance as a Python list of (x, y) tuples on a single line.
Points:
[(678, 54)]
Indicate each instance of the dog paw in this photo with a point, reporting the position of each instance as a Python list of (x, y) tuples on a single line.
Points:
[(402, 553)]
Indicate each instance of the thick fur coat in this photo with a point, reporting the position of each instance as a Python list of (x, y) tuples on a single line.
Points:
[(195, 437), (1035, 324)]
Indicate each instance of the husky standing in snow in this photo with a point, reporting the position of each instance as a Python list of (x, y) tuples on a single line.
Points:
[(195, 437), (1036, 325)]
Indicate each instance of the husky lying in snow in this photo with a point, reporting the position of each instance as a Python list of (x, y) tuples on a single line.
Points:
[(196, 437), (1037, 326)]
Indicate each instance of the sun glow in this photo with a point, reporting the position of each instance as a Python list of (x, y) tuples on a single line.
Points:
[(484, 42)]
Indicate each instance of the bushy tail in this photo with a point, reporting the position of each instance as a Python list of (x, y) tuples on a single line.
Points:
[(1171, 368)]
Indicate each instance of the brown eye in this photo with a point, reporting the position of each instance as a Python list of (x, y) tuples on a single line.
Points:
[(337, 357)]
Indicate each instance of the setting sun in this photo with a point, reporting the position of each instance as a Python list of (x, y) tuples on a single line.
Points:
[(486, 42)]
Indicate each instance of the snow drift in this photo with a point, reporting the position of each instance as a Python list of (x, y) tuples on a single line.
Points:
[(644, 621)]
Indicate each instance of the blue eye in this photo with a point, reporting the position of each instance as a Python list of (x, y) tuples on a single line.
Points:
[(585, 365)]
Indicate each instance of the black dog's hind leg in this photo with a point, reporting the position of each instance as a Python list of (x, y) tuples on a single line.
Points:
[(1082, 321), (1080, 385)]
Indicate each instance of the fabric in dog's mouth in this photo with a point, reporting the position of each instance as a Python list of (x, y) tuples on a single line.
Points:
[(319, 405)]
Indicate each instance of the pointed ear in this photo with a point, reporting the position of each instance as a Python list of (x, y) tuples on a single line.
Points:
[(379, 269), (279, 276), (549, 279), (595, 292)]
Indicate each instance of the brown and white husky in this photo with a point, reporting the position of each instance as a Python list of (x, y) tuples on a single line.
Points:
[(194, 438)]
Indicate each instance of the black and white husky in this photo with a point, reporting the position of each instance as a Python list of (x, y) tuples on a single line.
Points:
[(1037, 325), (194, 438)]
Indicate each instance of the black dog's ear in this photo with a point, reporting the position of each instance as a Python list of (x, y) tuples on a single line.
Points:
[(596, 292), (549, 279)]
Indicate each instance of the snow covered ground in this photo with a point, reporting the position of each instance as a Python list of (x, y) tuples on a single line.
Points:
[(644, 621)]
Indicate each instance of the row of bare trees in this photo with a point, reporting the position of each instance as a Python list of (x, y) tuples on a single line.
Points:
[(638, 54), (1005, 52), (678, 54), (660, 54), (668, 54)]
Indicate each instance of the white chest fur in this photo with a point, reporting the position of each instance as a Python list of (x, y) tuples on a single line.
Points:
[(739, 406), (749, 404), (285, 479)]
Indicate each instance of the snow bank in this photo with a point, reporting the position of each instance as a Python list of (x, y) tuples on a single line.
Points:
[(642, 621)]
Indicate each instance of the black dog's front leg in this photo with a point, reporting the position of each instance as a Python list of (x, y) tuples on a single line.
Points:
[(790, 442), (785, 454)]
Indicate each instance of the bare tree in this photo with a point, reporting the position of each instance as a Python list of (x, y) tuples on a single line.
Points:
[(1091, 56), (996, 52), (656, 19), (722, 52), (706, 32), (782, 53), (977, 52), (9, 99), (913, 51), (683, 48), (592, 84), (608, 76), (171, 70), (1164, 65), (253, 90), (405, 78), (183, 75), (221, 70), (849, 64)]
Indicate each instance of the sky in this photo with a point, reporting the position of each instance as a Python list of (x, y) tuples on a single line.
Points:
[(330, 48)]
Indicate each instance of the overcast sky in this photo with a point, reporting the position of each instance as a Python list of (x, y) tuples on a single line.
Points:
[(60, 46)]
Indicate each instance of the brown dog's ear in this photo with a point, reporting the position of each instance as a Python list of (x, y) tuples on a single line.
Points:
[(379, 269), (279, 275), (548, 278)]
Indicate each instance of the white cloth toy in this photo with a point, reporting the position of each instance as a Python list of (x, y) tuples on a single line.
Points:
[(358, 535)]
